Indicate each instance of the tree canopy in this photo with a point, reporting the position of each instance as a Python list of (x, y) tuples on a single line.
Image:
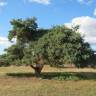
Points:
[(55, 46), (60, 46), (23, 30)]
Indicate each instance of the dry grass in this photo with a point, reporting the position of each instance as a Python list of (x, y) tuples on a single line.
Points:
[(46, 68), (31, 86)]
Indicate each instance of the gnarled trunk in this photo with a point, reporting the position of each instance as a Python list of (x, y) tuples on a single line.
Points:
[(37, 69), (38, 66)]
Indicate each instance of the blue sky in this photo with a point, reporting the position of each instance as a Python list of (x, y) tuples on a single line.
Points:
[(49, 13)]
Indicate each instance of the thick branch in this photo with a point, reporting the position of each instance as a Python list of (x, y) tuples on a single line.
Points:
[(32, 67)]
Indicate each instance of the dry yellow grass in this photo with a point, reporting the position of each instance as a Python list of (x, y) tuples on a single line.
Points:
[(31, 86), (46, 68)]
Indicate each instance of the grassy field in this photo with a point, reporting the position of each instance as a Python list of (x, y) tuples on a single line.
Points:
[(20, 81)]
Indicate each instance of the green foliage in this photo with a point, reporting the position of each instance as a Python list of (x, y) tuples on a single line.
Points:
[(13, 54), (57, 46), (61, 45), (4, 61), (23, 30), (65, 76)]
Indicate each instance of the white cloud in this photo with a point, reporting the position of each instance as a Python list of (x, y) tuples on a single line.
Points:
[(86, 1), (3, 3), (45, 2), (4, 43), (94, 12), (91, 39), (87, 27)]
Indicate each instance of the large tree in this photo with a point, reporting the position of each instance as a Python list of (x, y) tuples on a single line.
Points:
[(26, 32), (60, 46), (55, 46)]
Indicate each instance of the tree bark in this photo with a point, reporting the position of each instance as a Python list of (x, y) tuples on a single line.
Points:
[(37, 69)]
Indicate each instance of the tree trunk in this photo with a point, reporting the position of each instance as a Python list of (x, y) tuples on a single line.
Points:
[(37, 69)]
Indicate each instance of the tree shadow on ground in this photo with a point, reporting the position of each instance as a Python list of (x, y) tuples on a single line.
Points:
[(21, 75), (58, 75)]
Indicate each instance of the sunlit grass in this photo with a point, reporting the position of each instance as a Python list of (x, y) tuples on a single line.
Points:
[(27, 85)]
